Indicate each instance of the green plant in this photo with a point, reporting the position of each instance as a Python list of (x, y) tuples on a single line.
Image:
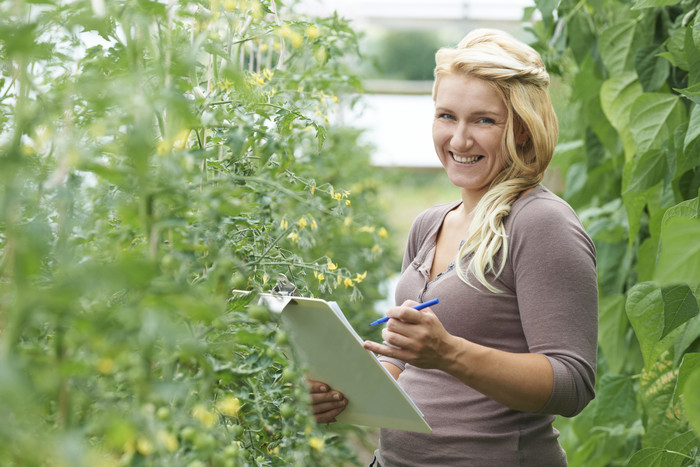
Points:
[(153, 157), (632, 168)]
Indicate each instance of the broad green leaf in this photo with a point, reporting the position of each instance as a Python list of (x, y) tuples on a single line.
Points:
[(656, 396), (679, 256), (651, 69), (691, 400), (616, 404), (675, 453), (679, 306), (690, 364), (639, 4), (546, 7), (693, 128), (649, 169), (675, 45), (617, 47), (613, 326), (654, 117), (617, 95), (645, 310), (692, 93)]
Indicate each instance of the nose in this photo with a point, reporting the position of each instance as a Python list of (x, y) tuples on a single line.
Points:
[(461, 138)]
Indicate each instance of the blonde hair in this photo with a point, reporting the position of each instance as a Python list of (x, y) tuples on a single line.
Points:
[(517, 73)]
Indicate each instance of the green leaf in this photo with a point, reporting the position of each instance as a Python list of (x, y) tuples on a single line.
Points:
[(640, 4), (691, 400), (645, 310), (651, 69), (693, 128), (654, 116), (679, 258), (690, 364), (649, 169), (692, 92), (617, 47), (613, 327), (675, 453), (617, 95), (679, 306), (616, 404), (546, 7)]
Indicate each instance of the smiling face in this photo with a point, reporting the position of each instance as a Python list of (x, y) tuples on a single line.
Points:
[(468, 129)]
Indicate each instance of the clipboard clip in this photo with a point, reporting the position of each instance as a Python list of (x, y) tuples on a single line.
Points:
[(285, 287)]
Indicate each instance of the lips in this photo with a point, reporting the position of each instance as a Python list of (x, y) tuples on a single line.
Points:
[(465, 160)]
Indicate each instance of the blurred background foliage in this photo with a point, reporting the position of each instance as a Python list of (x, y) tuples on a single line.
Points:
[(154, 156)]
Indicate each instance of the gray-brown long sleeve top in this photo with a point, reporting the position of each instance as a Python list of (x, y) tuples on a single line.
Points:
[(549, 305)]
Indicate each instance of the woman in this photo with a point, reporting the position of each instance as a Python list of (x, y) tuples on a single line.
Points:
[(513, 340)]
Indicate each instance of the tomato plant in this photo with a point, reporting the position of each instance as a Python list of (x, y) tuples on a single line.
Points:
[(154, 156)]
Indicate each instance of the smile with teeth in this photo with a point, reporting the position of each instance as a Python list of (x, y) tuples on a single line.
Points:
[(465, 160)]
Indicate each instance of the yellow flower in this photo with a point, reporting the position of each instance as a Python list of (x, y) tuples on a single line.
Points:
[(229, 406), (320, 277), (331, 267), (382, 232), (314, 225), (347, 221), (293, 236), (303, 222), (230, 5), (347, 202), (105, 365), (284, 224), (337, 196), (335, 98), (348, 282), (376, 248), (206, 417), (267, 74), (167, 440), (313, 189), (265, 278), (312, 31), (315, 273), (316, 443), (367, 228), (360, 277)]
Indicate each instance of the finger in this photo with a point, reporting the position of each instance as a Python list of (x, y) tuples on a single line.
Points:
[(332, 406), (382, 349), (328, 416), (333, 396), (317, 386)]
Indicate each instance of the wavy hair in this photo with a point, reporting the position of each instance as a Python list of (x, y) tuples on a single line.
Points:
[(517, 73)]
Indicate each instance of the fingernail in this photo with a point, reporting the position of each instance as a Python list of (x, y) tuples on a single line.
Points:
[(323, 389), (336, 396)]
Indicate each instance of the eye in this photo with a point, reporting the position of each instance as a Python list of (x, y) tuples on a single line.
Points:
[(445, 116), (486, 120)]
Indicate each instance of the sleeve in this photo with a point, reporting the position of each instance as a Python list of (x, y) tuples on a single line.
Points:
[(556, 285)]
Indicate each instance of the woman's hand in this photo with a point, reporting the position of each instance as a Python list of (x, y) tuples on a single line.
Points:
[(325, 402), (414, 336)]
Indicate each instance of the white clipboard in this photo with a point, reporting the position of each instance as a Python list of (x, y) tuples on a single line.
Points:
[(331, 351)]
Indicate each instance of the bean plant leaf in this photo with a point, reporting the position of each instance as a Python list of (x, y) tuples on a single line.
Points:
[(639, 4), (693, 127), (679, 306), (675, 453), (679, 258), (653, 118), (652, 69), (617, 95), (692, 92), (613, 326), (691, 400), (689, 365), (616, 400), (645, 309), (616, 47), (546, 7), (649, 169)]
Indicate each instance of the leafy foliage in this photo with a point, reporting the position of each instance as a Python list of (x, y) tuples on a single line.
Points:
[(632, 71), (154, 156)]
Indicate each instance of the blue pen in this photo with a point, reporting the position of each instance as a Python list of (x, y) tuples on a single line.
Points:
[(432, 302)]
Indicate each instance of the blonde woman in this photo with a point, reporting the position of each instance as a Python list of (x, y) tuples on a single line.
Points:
[(513, 340)]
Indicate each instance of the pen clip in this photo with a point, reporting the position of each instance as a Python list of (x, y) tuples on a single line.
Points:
[(285, 287)]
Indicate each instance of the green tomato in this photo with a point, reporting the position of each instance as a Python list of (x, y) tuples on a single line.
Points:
[(187, 434), (163, 413), (281, 337), (288, 375), (259, 313), (287, 410), (204, 442)]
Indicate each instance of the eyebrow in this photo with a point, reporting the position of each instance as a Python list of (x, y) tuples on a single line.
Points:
[(478, 113)]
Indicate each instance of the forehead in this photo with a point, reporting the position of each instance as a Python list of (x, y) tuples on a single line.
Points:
[(468, 93)]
